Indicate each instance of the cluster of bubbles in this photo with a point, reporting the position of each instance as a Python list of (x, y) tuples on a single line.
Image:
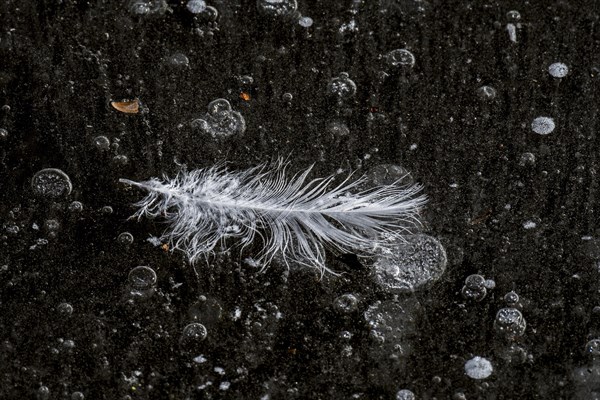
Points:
[(476, 287), (415, 262), (220, 120)]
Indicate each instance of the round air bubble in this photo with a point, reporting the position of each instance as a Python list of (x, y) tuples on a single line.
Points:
[(412, 264), (558, 70), (543, 125), (478, 368), (51, 183)]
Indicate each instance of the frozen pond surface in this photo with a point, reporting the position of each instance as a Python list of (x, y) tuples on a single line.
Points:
[(493, 294)]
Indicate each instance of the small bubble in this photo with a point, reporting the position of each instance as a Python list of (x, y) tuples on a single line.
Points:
[(593, 348), (142, 277), (76, 207), (51, 225), (178, 60), (77, 396), (125, 238), (558, 70), (106, 210), (478, 368), (51, 183), (542, 125), (513, 16), (475, 281), (194, 332), (489, 284), (218, 105), (400, 58), (3, 134), (196, 6), (287, 97), (527, 160), (277, 8), (510, 323), (102, 143), (305, 22), (120, 159), (346, 303), (511, 298), (43, 393), (246, 80), (405, 394), (65, 308), (338, 129), (486, 93), (342, 86)]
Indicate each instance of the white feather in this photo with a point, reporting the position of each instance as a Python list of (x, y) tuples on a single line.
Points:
[(293, 218)]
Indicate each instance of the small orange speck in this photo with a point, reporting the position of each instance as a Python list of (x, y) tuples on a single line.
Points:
[(292, 351), (165, 247), (128, 107), (245, 96)]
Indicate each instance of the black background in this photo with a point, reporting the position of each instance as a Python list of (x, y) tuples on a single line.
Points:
[(63, 61)]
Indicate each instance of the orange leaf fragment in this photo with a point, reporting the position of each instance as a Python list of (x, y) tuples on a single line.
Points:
[(245, 96), (128, 107)]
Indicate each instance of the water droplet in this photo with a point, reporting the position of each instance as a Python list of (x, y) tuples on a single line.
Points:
[(414, 263), (510, 323), (486, 93), (102, 143), (342, 86), (51, 183), (125, 238), (142, 277), (400, 58), (478, 368), (196, 6), (346, 303), (558, 70), (542, 125)]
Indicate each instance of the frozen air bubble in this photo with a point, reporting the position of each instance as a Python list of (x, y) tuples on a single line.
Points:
[(593, 348), (51, 183), (510, 323), (196, 6), (305, 22), (415, 262), (346, 303), (102, 143), (77, 396), (400, 58), (3, 134), (486, 93), (194, 332), (342, 86), (511, 298), (125, 238), (277, 8), (218, 105), (542, 125), (478, 368), (178, 60), (142, 277), (76, 207), (405, 394), (558, 70), (65, 308)]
